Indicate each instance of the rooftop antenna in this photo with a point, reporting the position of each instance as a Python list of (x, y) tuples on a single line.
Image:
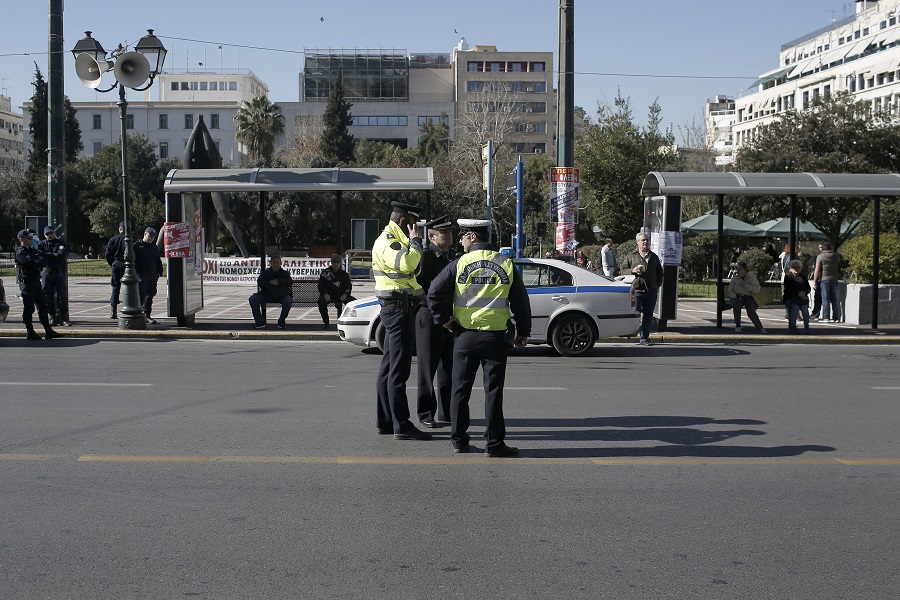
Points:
[(3, 86)]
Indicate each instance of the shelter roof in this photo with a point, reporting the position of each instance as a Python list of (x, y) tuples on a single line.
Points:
[(770, 184), (288, 180)]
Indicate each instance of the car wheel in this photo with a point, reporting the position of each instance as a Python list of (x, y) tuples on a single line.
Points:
[(574, 335), (379, 335)]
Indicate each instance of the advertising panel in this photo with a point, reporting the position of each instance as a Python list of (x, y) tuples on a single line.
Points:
[(564, 185)]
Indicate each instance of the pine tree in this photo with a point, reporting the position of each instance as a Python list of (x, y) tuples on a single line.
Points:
[(337, 144)]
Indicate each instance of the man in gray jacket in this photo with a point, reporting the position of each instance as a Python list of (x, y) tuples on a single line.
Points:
[(648, 273)]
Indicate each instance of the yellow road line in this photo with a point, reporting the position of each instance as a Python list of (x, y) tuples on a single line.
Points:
[(25, 456)]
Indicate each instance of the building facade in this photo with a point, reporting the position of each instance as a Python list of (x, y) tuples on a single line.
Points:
[(720, 118), (12, 145), (859, 55)]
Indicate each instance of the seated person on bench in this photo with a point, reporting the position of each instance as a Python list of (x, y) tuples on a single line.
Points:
[(274, 287), (334, 288)]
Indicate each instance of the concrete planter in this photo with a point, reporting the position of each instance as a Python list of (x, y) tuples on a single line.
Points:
[(858, 304)]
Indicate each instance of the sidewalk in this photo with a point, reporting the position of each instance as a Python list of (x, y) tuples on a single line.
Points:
[(226, 315)]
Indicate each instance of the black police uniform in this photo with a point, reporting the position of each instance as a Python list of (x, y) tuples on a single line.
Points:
[(149, 268), (335, 285), (54, 280), (115, 257), (434, 345), (29, 263), (473, 347)]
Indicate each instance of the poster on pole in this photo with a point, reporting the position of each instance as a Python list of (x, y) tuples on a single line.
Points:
[(564, 185)]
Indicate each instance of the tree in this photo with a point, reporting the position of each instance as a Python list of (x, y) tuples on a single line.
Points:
[(614, 156), (434, 139), (337, 145), (258, 124), (834, 135)]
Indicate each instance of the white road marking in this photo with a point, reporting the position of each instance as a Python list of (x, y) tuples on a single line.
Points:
[(29, 383), (886, 388)]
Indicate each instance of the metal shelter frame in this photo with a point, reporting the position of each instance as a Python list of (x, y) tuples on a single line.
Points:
[(792, 185), (333, 179)]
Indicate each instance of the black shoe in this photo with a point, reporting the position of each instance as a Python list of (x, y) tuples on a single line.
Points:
[(113, 315), (385, 430), (263, 326), (502, 450), (412, 434), (33, 336), (325, 326), (50, 334), (429, 423), (151, 321), (462, 449), (281, 326)]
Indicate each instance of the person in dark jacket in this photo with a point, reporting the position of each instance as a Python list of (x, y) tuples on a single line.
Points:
[(115, 258), (54, 279), (434, 344), (334, 288), (795, 295), (149, 268), (274, 286), (648, 273), (29, 263), (476, 296)]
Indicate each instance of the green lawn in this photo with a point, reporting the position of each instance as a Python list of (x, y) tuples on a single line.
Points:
[(78, 268)]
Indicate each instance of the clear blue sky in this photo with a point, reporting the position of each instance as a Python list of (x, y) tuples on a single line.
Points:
[(627, 45)]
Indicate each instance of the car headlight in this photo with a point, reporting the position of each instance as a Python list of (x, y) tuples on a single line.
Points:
[(349, 312)]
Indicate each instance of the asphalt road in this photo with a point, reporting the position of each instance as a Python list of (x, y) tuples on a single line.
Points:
[(164, 469)]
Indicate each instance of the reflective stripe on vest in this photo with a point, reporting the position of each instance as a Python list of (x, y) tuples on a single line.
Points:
[(483, 281), (394, 270)]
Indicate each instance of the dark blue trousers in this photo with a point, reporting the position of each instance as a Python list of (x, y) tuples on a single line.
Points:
[(489, 350), (396, 363)]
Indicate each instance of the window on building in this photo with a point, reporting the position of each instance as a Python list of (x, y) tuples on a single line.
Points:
[(474, 86), (856, 35), (184, 85), (129, 121), (540, 148), (805, 100), (827, 91), (232, 85), (473, 67), (539, 87), (163, 121), (213, 86), (840, 41), (214, 120), (188, 121), (517, 87), (518, 67), (893, 21), (540, 127), (882, 25), (164, 149), (98, 147), (194, 86), (537, 67), (539, 107), (174, 86), (815, 94), (495, 67), (865, 31), (204, 86), (98, 121)]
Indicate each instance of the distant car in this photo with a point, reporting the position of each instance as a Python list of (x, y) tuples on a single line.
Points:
[(4, 307), (571, 308)]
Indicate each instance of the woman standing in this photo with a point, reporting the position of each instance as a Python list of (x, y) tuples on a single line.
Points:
[(795, 294), (741, 289)]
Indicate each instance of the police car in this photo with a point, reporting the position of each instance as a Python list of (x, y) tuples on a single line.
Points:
[(571, 308)]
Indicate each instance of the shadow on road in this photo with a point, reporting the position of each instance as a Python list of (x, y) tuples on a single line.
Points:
[(676, 452)]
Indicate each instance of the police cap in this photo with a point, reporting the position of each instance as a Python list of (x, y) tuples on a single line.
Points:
[(409, 208), (49, 229), (479, 226), (24, 234), (440, 224)]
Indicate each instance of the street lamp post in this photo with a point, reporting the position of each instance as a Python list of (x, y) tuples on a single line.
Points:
[(135, 70)]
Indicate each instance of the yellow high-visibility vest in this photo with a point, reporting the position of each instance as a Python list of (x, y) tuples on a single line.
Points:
[(483, 281), (394, 263)]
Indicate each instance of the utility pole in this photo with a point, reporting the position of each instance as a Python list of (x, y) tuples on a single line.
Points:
[(565, 119), (56, 123)]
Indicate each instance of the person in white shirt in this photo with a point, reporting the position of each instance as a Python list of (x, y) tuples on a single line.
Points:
[(608, 253)]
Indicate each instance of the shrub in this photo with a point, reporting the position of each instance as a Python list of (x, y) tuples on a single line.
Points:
[(696, 256), (758, 262), (858, 254)]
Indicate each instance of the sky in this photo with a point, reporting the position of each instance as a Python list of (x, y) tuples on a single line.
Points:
[(680, 53)]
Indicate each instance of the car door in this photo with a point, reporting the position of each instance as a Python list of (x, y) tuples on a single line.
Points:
[(549, 289)]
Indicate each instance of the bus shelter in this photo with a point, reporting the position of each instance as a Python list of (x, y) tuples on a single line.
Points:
[(672, 186), (184, 212)]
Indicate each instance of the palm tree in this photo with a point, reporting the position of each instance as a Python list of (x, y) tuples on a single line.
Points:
[(434, 138), (257, 124)]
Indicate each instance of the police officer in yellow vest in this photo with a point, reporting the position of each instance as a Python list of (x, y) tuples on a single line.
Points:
[(476, 296), (395, 260)]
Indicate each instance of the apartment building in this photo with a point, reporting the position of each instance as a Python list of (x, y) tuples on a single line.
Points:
[(12, 147), (859, 54), (720, 118)]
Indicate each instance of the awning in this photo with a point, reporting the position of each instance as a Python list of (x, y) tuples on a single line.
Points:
[(287, 180), (857, 48), (771, 77), (823, 185), (805, 67)]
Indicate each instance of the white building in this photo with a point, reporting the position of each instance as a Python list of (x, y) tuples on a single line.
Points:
[(720, 118), (859, 54), (12, 147)]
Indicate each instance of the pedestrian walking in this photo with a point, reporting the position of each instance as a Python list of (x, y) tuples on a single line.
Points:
[(29, 264), (434, 344), (741, 290), (396, 255), (795, 295), (647, 269), (608, 258), (476, 296)]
